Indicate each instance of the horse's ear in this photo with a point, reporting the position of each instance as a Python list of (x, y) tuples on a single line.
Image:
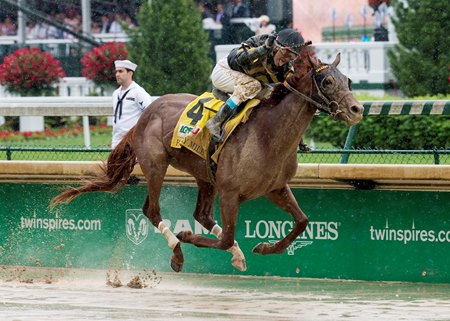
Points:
[(313, 62), (337, 60)]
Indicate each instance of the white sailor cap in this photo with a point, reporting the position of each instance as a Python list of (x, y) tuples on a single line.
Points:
[(125, 64)]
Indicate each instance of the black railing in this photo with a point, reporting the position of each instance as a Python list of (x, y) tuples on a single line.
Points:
[(354, 156)]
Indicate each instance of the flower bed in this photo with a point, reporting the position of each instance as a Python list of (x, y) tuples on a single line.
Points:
[(30, 72), (47, 134)]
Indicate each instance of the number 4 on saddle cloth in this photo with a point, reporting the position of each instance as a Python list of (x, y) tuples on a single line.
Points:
[(190, 131)]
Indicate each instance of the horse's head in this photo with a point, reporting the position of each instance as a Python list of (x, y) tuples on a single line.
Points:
[(331, 89)]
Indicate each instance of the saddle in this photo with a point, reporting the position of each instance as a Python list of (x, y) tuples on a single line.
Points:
[(191, 133)]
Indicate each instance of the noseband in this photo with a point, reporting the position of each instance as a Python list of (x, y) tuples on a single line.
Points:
[(330, 107)]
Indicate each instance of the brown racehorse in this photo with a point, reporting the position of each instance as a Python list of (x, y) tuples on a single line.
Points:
[(258, 159)]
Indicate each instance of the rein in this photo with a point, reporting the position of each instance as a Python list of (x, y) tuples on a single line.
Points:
[(328, 108)]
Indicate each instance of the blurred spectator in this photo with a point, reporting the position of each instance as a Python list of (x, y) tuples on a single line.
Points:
[(59, 18), (207, 15), (72, 17), (116, 25), (95, 27), (52, 31), (221, 16), (28, 28), (204, 10), (265, 27), (8, 27), (39, 31), (222, 19), (72, 20), (129, 22), (240, 10), (106, 23)]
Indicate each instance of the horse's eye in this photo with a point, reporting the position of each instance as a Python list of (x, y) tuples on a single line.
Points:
[(350, 84), (327, 82)]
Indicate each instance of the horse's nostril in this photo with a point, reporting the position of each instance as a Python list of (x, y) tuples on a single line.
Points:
[(356, 109)]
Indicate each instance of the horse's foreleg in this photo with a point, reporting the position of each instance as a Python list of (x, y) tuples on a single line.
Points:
[(284, 199), (155, 177), (238, 259), (205, 216)]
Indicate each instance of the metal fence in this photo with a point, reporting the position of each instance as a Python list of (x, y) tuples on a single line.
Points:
[(352, 156)]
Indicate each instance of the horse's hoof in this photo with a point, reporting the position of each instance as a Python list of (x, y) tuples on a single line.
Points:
[(239, 264), (183, 235), (177, 259), (259, 248), (177, 267)]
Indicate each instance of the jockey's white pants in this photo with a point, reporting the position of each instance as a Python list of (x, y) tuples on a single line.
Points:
[(241, 86)]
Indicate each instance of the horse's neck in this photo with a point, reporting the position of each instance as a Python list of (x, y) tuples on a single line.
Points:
[(293, 114)]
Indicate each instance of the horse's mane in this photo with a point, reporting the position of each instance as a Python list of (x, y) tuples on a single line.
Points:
[(277, 95), (302, 68)]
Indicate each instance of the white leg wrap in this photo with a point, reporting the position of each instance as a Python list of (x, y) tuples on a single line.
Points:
[(238, 259), (235, 249), (170, 237), (217, 231)]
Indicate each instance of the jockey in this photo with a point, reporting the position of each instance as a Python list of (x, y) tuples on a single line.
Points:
[(260, 60)]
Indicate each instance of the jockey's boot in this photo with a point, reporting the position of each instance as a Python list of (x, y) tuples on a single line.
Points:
[(215, 123)]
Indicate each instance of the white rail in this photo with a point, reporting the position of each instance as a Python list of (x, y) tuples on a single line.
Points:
[(33, 109), (57, 106)]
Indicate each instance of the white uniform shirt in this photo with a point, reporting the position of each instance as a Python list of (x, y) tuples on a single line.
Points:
[(136, 100)]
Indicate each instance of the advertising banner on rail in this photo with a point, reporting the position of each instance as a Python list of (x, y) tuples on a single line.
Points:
[(352, 234)]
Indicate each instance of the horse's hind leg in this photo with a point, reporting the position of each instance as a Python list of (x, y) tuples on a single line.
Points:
[(205, 216), (284, 199)]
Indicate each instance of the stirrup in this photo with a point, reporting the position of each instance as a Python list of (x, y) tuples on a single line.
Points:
[(218, 139)]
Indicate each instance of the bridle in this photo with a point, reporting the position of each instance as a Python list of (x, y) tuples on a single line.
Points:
[(330, 107)]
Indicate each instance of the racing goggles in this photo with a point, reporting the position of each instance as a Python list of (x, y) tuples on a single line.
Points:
[(287, 53), (291, 52)]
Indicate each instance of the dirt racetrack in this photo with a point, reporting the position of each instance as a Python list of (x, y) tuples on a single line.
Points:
[(35, 294)]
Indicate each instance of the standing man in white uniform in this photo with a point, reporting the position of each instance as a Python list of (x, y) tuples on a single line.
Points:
[(129, 100)]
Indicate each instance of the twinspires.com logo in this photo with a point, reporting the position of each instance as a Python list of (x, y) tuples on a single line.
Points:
[(407, 235)]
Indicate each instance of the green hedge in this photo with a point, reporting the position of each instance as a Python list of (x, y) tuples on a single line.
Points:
[(386, 132)]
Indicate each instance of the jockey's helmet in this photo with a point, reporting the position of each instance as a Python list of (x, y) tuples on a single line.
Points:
[(291, 40)]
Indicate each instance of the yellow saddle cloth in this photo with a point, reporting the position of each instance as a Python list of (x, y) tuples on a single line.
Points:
[(194, 118)]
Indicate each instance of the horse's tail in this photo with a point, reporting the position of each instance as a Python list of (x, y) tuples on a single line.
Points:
[(112, 175)]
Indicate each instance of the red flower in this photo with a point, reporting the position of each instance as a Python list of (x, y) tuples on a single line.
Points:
[(30, 72), (98, 64)]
